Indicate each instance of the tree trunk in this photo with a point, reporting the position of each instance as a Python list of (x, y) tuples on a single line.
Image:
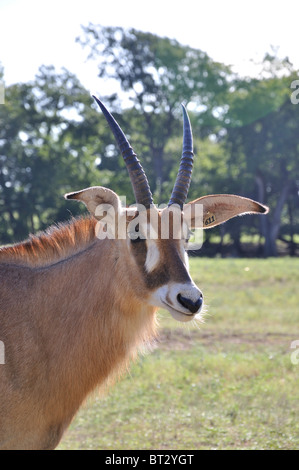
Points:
[(292, 245), (270, 227)]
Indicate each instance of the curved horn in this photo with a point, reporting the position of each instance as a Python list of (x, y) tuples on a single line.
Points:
[(139, 180), (183, 179)]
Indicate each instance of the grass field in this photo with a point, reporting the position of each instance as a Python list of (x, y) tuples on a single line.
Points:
[(229, 383)]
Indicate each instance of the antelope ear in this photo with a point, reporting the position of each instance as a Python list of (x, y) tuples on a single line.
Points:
[(219, 208), (96, 197)]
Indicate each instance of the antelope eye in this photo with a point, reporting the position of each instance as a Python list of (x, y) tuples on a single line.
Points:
[(135, 235)]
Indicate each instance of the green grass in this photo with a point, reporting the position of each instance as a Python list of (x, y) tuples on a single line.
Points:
[(229, 384)]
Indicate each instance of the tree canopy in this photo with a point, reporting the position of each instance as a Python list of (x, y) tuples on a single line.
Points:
[(54, 140)]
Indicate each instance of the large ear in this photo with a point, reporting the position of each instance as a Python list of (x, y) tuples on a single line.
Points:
[(94, 198), (219, 208)]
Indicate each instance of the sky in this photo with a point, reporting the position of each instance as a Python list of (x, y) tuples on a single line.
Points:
[(36, 32)]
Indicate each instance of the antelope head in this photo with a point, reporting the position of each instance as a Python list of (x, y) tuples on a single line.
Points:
[(161, 260)]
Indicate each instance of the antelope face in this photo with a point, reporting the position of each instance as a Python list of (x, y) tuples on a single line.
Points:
[(174, 289), (158, 246), (162, 259)]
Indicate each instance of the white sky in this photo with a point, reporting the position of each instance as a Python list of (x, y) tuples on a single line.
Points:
[(36, 32)]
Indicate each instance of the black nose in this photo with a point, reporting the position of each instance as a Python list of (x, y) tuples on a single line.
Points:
[(189, 304)]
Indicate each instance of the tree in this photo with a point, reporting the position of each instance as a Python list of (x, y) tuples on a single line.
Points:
[(263, 125), (156, 74), (48, 133)]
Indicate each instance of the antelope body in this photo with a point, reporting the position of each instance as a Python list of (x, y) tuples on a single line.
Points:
[(75, 307)]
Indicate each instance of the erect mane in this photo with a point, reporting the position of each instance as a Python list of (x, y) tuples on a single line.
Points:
[(56, 243)]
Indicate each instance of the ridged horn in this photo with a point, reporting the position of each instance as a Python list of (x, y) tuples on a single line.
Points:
[(138, 178), (183, 179)]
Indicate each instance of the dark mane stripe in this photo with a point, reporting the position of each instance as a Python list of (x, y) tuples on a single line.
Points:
[(56, 243)]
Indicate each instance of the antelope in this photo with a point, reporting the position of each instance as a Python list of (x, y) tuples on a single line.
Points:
[(77, 307)]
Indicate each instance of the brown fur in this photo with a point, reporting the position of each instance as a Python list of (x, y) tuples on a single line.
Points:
[(56, 243), (74, 310), (70, 319)]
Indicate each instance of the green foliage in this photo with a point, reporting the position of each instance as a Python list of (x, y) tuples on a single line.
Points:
[(53, 139), (42, 132), (157, 74), (263, 126)]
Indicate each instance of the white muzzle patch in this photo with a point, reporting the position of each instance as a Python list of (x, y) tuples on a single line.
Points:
[(167, 297)]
